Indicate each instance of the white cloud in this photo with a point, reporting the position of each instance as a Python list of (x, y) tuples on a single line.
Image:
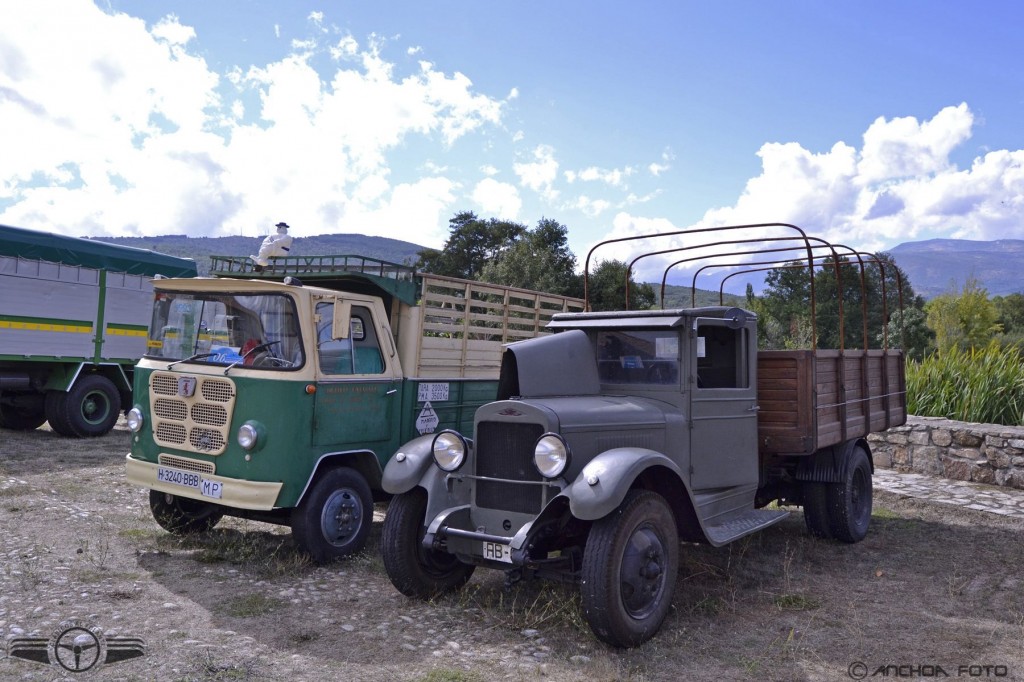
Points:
[(498, 199), (656, 169), (540, 174), (125, 131)]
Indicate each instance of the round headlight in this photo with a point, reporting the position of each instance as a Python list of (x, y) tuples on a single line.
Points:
[(134, 419), (449, 450), (247, 436), (551, 455)]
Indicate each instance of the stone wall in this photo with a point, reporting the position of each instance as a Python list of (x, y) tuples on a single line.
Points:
[(984, 453)]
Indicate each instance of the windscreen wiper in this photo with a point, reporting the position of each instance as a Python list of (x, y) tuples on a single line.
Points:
[(197, 356), (254, 349)]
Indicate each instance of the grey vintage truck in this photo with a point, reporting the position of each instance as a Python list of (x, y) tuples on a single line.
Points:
[(625, 433)]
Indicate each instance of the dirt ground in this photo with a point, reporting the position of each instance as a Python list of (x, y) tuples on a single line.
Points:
[(932, 591)]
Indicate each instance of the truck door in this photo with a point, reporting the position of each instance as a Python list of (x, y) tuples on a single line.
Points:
[(357, 398), (723, 437)]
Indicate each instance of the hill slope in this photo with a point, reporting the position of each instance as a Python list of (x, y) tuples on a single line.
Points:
[(935, 266)]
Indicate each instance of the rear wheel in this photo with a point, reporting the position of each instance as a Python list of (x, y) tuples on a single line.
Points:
[(23, 412), (56, 413), (849, 502), (413, 570), (816, 509), (334, 519), (92, 405), (629, 570), (182, 516)]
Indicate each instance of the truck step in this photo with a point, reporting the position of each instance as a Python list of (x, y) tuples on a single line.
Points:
[(743, 524)]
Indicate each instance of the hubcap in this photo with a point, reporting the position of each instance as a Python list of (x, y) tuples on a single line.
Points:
[(95, 408), (342, 516), (642, 573)]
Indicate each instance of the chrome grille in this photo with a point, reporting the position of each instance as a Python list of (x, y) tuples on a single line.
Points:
[(197, 422), (505, 450), (187, 464)]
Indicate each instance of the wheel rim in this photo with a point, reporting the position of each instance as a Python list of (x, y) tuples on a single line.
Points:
[(95, 407), (342, 517), (642, 573)]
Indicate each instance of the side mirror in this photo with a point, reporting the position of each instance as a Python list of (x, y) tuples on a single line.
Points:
[(342, 321)]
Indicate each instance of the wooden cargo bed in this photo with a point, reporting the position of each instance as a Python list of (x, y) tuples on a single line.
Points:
[(813, 399)]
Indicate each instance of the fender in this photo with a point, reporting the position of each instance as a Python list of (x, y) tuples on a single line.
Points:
[(406, 467), (613, 472), (829, 465)]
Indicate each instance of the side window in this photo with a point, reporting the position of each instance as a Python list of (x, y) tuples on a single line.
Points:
[(721, 357), (358, 354)]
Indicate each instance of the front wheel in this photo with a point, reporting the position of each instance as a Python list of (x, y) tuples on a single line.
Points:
[(629, 570), (413, 570), (849, 502), (182, 516), (334, 519)]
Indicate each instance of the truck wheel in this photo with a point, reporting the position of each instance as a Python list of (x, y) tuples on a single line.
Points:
[(56, 413), (334, 519), (415, 571), (26, 415), (629, 570), (849, 502), (816, 509), (91, 406), (182, 516)]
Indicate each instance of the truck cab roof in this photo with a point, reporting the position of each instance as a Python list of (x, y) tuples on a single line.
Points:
[(647, 319)]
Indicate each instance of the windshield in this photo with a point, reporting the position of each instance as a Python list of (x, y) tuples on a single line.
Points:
[(255, 330), (638, 357)]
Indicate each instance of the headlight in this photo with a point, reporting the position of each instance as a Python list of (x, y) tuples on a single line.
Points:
[(247, 436), (551, 455), (449, 450), (134, 419)]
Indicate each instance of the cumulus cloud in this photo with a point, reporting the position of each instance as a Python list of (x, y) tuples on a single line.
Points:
[(900, 185), (539, 175), (499, 199), (127, 130)]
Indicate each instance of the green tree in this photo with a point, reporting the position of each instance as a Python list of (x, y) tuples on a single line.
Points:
[(965, 320), (1011, 317), (540, 260), (471, 244), (607, 288)]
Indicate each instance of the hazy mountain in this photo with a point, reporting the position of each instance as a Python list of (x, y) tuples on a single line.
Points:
[(936, 266)]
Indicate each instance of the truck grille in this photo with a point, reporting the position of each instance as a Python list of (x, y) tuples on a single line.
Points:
[(505, 450), (197, 422)]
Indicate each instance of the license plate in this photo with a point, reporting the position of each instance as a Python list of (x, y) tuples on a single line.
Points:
[(189, 479), (495, 551)]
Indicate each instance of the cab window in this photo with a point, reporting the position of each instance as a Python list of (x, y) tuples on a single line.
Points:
[(358, 354), (638, 357), (721, 357)]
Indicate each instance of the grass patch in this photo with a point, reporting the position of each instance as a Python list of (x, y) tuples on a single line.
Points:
[(797, 602), (251, 605), (450, 675), (263, 553)]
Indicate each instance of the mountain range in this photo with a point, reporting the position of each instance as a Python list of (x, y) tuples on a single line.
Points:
[(933, 266)]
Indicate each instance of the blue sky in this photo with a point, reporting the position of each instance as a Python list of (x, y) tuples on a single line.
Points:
[(870, 123)]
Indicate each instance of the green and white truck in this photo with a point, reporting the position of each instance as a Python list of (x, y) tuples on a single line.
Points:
[(279, 395), (73, 319)]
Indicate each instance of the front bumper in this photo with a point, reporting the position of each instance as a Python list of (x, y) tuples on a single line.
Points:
[(235, 493)]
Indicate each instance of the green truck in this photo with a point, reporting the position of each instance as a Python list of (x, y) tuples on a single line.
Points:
[(279, 395), (73, 319)]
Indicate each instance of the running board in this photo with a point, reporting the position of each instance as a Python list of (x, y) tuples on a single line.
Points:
[(744, 523)]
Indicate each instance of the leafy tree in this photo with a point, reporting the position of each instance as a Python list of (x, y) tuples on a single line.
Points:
[(1011, 317), (471, 244), (540, 260), (607, 288), (965, 320)]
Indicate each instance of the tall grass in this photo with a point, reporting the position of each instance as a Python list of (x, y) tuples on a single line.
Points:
[(983, 385)]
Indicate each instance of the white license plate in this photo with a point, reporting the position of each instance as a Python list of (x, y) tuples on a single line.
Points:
[(495, 551), (190, 479)]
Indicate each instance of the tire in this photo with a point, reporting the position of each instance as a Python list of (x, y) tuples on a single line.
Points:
[(182, 516), (27, 414), (91, 406), (629, 570), (334, 519), (816, 509), (849, 502), (414, 570), (55, 407)]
